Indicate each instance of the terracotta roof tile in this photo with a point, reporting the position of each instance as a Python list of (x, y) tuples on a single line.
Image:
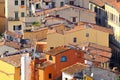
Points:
[(98, 52), (57, 50), (98, 2), (74, 68), (82, 26), (44, 64), (13, 44), (13, 60), (114, 3), (96, 58), (61, 8), (13, 34)]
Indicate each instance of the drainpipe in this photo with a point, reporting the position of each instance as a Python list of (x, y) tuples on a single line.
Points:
[(82, 3)]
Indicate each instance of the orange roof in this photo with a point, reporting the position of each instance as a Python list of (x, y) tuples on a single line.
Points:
[(61, 8), (96, 58), (100, 53), (114, 3), (44, 64), (57, 50), (33, 1), (13, 44), (13, 34), (94, 46), (83, 25), (74, 68), (13, 60), (98, 2)]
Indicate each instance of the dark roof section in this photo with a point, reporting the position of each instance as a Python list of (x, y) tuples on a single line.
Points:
[(57, 50)]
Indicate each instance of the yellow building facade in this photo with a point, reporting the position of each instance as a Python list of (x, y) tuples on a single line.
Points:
[(99, 37), (113, 20), (88, 78), (10, 68), (9, 72)]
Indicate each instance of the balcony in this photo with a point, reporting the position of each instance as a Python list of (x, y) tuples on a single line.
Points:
[(13, 19)]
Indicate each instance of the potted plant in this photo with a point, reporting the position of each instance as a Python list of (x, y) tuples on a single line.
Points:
[(35, 25)]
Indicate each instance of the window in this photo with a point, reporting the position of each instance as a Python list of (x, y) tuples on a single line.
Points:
[(63, 59), (71, 2), (91, 7), (46, 3), (74, 19), (18, 27), (50, 75), (16, 15), (37, 6), (66, 78), (22, 14), (51, 47), (96, 10), (16, 2), (22, 2), (50, 57), (74, 39), (87, 34), (61, 4), (57, 16), (53, 4)]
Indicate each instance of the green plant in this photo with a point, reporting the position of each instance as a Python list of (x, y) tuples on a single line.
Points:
[(1, 35), (118, 77), (36, 24)]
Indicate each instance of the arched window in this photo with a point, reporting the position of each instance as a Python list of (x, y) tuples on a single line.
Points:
[(50, 57), (63, 59)]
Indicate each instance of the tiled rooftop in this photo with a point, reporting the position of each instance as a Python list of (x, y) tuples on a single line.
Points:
[(74, 68), (98, 52), (5, 48), (96, 58), (83, 26), (13, 60), (13, 34), (114, 3), (57, 50), (61, 8), (44, 64), (13, 44), (98, 2)]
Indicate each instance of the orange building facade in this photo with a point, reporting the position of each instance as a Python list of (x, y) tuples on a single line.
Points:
[(64, 57), (56, 59)]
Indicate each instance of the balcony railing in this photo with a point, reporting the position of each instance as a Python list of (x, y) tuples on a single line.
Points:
[(13, 19)]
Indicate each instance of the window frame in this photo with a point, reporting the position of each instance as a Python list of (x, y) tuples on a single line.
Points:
[(22, 2), (74, 39), (63, 59), (50, 58), (50, 75), (16, 2), (22, 14)]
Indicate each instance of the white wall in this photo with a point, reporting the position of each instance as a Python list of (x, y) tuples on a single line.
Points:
[(64, 75)]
